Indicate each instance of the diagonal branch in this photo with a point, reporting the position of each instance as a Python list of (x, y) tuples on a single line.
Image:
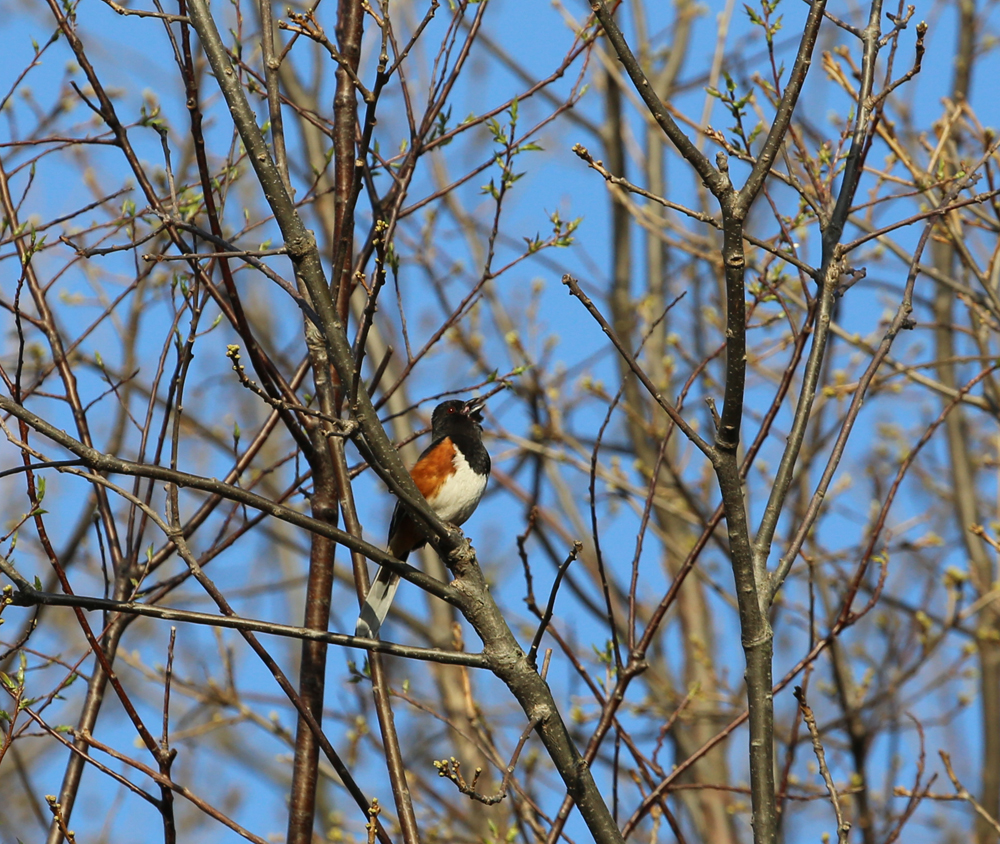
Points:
[(671, 411), (715, 181)]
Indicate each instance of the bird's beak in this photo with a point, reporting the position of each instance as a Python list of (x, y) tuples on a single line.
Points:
[(474, 407)]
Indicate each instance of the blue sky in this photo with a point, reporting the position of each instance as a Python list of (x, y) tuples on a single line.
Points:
[(555, 180)]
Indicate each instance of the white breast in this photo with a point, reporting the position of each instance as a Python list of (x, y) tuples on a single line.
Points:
[(459, 495)]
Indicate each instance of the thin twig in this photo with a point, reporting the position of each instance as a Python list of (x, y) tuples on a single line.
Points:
[(27, 596), (671, 411), (843, 827), (452, 769), (962, 793), (550, 606)]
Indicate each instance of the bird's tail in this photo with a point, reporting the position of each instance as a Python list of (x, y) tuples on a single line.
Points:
[(376, 606)]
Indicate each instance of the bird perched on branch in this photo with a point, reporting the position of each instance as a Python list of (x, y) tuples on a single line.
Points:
[(451, 474)]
